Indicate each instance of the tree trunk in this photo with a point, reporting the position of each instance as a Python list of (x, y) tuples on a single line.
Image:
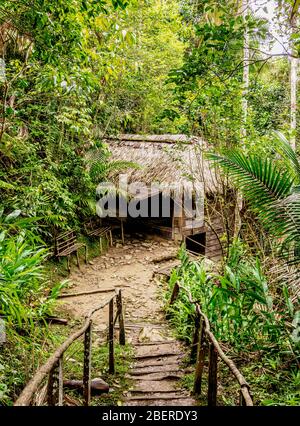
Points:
[(2, 70), (246, 55), (294, 81)]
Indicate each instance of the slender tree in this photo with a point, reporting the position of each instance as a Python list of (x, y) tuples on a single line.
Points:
[(244, 8), (294, 74)]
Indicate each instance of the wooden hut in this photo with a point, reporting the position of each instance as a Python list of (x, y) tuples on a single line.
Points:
[(173, 161)]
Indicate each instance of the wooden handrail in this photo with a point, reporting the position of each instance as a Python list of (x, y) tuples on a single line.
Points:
[(55, 360), (203, 333)]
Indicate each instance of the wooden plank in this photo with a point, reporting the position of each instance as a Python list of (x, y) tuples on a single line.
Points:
[(65, 245), (85, 293), (64, 241), (212, 239), (214, 246), (215, 253), (64, 235)]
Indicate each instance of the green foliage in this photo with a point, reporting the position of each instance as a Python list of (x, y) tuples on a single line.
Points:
[(268, 104), (238, 303), (255, 322), (271, 189), (22, 279)]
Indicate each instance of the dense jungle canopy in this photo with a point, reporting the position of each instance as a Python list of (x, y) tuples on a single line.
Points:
[(74, 72)]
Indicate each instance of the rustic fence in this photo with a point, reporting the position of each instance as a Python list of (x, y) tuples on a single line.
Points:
[(205, 342), (53, 368)]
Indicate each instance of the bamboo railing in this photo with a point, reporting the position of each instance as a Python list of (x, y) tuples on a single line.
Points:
[(53, 368), (204, 341)]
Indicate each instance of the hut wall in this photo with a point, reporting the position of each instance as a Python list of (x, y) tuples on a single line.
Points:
[(215, 228)]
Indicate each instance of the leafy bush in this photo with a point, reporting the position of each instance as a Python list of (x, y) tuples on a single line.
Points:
[(22, 280), (256, 323), (243, 310)]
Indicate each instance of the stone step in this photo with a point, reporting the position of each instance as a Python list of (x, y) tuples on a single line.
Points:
[(159, 376), (159, 355), (155, 369), (152, 386), (170, 360), (158, 395), (182, 402), (157, 350)]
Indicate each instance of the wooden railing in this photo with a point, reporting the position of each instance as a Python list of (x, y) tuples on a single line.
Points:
[(204, 341), (53, 368)]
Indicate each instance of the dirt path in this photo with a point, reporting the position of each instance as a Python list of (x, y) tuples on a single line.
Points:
[(157, 367)]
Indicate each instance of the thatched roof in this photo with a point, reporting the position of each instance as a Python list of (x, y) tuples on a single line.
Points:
[(169, 159)]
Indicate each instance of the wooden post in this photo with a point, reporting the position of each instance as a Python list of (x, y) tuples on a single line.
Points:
[(175, 293), (78, 261), (122, 339), (111, 337), (122, 232), (202, 349), (195, 343), (174, 296), (87, 365), (242, 399), (52, 386), (212, 377), (86, 255), (60, 383)]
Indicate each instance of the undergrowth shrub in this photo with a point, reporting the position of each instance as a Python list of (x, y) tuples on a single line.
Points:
[(24, 290), (256, 322), (243, 310)]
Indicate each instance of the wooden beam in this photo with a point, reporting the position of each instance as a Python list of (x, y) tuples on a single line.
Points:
[(111, 337), (87, 365)]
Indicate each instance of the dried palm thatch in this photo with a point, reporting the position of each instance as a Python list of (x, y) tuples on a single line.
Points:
[(172, 160)]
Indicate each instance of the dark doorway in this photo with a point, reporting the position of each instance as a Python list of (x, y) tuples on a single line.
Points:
[(159, 218), (196, 243)]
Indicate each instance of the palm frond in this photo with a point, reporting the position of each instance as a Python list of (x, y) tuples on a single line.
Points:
[(287, 152), (263, 184)]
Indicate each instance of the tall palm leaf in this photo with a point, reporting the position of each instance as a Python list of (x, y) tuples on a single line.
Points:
[(262, 183), (269, 189)]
